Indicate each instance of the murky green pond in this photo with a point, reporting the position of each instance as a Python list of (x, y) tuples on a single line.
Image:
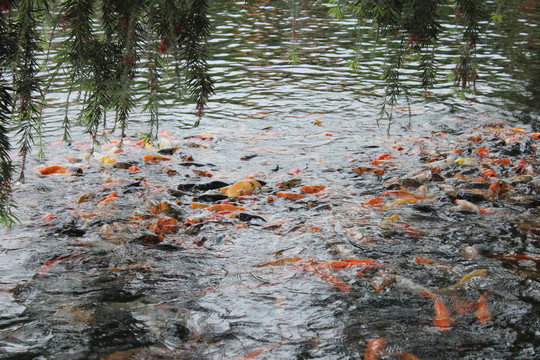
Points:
[(348, 243)]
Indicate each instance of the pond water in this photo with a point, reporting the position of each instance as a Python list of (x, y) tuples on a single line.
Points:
[(424, 243)]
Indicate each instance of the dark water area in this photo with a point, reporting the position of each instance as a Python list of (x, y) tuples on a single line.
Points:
[(423, 243)]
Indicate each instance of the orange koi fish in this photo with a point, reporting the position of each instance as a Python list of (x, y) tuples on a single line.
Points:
[(502, 161), (347, 263), (482, 152), (312, 189), (45, 268), (133, 168), (156, 158), (294, 171), (224, 207), (202, 173), (482, 313), (521, 257), (423, 260), (374, 201), (219, 214), (244, 187), (338, 284), (375, 349), (54, 169), (108, 198), (289, 195), (164, 225), (487, 173), (442, 318), (48, 217), (383, 156), (408, 229), (363, 169), (288, 184), (402, 194)]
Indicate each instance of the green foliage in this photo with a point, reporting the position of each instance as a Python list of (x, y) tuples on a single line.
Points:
[(106, 45), (410, 30)]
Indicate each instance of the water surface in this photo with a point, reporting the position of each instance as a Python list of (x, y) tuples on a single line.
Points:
[(92, 280)]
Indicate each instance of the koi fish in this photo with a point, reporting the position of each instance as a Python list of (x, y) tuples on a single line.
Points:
[(197, 205), (375, 349), (364, 263), (244, 187), (164, 225), (423, 260), (442, 318), (402, 194), (521, 257), (483, 152), (405, 355), (281, 261), (202, 173), (374, 201), (107, 160), (224, 207), (487, 173), (312, 189), (48, 217), (466, 161), (108, 198), (294, 171), (482, 313), (364, 169), (383, 156), (408, 229), (156, 158), (288, 184), (289, 195), (338, 284), (464, 205), (54, 169), (502, 161), (200, 137), (219, 214), (474, 273), (133, 168), (398, 202), (45, 268)]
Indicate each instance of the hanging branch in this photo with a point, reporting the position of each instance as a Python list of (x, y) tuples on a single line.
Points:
[(465, 72), (8, 48), (195, 54), (131, 39), (26, 83)]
